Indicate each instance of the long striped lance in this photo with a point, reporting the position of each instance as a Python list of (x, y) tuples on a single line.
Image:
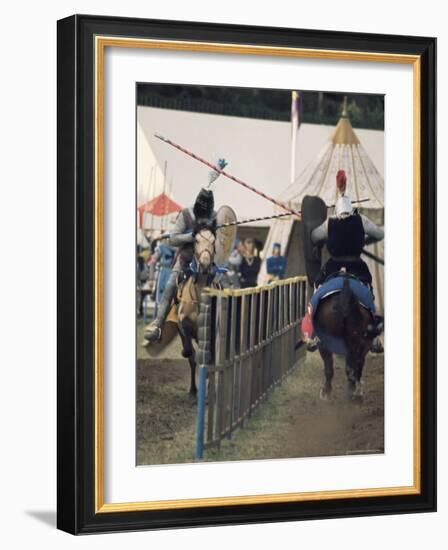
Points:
[(251, 220), (240, 222), (261, 218), (219, 170), (227, 175), (275, 216), (237, 222)]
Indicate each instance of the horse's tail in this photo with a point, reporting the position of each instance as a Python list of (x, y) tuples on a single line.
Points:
[(347, 306)]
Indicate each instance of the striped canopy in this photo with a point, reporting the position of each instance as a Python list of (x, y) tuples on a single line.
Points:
[(161, 205), (343, 151)]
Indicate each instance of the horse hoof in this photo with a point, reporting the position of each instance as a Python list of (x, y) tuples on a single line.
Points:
[(324, 394), (152, 336), (357, 395)]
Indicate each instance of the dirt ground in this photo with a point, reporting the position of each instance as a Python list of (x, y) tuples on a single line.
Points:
[(293, 422)]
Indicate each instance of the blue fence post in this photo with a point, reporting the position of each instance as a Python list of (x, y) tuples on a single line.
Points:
[(200, 419)]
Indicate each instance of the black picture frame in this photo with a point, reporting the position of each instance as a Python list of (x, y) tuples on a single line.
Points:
[(76, 254)]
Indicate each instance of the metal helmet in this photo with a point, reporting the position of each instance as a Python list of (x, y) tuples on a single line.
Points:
[(343, 207), (204, 204)]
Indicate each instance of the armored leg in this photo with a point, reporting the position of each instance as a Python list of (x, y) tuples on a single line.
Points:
[(154, 330)]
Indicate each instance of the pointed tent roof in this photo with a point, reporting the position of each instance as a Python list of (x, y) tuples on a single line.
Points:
[(161, 205), (343, 151)]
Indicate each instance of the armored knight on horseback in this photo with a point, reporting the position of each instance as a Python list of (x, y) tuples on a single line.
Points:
[(190, 220), (346, 233)]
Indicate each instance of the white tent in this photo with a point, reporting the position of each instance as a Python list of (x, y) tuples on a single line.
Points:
[(343, 151), (258, 152), (151, 182), (150, 176)]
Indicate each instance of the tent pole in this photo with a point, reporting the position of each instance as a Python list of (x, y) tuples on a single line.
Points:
[(294, 126)]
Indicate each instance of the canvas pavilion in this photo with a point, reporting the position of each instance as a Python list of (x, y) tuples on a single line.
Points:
[(343, 150)]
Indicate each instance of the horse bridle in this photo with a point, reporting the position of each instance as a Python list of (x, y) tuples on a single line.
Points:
[(209, 239)]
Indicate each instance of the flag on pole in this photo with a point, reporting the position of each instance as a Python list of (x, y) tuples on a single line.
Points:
[(295, 121), (295, 101)]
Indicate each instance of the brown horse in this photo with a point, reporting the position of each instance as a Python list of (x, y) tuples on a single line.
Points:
[(185, 309), (342, 316)]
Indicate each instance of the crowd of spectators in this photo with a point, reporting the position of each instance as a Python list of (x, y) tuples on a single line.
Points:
[(155, 258)]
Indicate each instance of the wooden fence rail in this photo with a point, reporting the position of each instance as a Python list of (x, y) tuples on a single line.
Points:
[(246, 346)]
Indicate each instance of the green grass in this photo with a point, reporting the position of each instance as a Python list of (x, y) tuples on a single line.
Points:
[(292, 422)]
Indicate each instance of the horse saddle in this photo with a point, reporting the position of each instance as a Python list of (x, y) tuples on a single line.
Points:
[(334, 285)]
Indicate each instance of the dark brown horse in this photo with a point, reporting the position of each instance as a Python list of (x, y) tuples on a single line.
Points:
[(342, 316)]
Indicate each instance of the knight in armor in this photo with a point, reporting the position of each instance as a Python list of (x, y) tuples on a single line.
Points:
[(189, 220), (346, 233)]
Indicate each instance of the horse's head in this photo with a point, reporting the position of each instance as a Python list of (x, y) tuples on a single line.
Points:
[(204, 248)]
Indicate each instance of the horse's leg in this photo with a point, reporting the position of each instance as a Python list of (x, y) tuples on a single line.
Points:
[(364, 349), (353, 367), (193, 388), (186, 331), (187, 327), (327, 358), (350, 372)]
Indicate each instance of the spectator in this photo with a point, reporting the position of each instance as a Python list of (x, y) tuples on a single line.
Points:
[(276, 264), (234, 263), (250, 264), (142, 279)]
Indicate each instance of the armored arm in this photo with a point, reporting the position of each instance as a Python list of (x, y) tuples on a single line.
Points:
[(372, 231), (181, 234), (320, 234)]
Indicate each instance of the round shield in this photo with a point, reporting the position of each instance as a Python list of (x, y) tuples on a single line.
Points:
[(225, 236)]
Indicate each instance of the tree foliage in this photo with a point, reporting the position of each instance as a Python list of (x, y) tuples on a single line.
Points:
[(364, 110)]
